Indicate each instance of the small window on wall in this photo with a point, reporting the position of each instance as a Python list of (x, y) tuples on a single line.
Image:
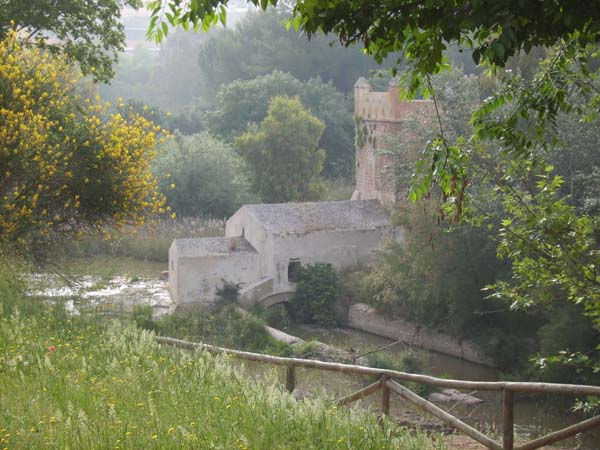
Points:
[(294, 270)]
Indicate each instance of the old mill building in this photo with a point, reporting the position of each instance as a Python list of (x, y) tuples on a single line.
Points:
[(265, 244)]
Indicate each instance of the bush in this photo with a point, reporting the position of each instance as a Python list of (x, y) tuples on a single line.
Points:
[(317, 291), (66, 161), (201, 176), (227, 328)]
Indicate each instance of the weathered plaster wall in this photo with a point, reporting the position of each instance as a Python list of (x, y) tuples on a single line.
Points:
[(199, 278), (364, 317), (340, 248), (198, 267), (244, 224), (380, 113)]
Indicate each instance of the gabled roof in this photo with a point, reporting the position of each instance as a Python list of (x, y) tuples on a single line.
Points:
[(299, 218), (218, 246)]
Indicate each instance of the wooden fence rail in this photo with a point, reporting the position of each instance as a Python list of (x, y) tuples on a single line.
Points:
[(388, 383)]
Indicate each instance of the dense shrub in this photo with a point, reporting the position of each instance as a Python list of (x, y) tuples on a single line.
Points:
[(65, 161), (435, 278), (201, 176), (226, 328), (317, 292)]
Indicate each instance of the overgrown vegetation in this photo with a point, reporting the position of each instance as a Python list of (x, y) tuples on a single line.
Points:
[(201, 176), (226, 328), (317, 291), (150, 241)]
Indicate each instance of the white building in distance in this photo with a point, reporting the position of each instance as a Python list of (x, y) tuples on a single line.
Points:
[(265, 244)]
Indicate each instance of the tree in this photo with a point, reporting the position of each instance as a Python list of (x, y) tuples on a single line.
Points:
[(260, 43), (243, 102), (419, 31), (201, 176), (64, 160), (88, 32), (150, 76), (283, 153)]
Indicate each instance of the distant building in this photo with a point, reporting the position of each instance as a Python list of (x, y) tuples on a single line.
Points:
[(264, 245), (378, 113)]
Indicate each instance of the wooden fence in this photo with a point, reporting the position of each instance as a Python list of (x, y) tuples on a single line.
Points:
[(387, 384)]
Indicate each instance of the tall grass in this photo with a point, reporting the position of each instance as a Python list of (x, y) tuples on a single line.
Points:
[(85, 382), (149, 242)]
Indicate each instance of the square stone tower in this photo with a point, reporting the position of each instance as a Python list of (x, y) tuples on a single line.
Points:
[(376, 114)]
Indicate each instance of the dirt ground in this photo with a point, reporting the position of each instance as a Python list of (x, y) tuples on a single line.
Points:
[(462, 442)]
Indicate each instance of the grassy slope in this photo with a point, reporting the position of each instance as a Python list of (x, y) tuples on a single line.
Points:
[(83, 382)]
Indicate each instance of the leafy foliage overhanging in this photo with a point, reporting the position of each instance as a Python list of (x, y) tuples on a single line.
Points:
[(88, 32)]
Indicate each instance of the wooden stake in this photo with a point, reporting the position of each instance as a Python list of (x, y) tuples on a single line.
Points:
[(508, 420), (358, 395), (290, 378), (385, 396)]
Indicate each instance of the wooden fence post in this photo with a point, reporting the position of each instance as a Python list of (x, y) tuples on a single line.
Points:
[(290, 378), (508, 420), (385, 396)]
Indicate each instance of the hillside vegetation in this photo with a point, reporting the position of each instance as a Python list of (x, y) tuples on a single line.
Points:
[(91, 382)]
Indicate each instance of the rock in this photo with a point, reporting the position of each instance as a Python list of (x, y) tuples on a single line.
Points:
[(164, 275), (452, 395), (301, 395)]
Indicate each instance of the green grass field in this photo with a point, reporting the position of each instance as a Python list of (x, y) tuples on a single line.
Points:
[(88, 382)]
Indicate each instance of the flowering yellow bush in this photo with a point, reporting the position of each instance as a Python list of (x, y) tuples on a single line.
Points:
[(65, 160)]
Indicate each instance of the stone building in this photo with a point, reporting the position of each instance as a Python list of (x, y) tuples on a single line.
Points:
[(378, 113), (264, 245)]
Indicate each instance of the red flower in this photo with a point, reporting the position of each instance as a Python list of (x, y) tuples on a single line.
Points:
[(51, 348)]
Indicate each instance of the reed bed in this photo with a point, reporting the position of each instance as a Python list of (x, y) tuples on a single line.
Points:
[(150, 241)]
